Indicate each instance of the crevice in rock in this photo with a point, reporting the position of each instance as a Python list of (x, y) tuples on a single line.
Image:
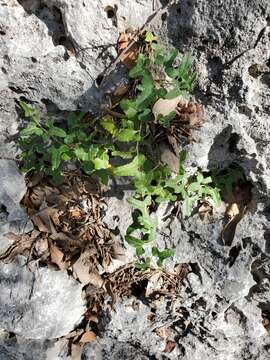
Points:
[(17, 90), (259, 37), (233, 254), (267, 241), (111, 12)]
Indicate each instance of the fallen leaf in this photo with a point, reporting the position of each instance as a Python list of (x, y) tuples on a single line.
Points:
[(165, 106), (129, 56), (76, 213), (43, 219), (88, 336), (170, 345), (57, 257), (168, 157), (92, 317), (81, 270)]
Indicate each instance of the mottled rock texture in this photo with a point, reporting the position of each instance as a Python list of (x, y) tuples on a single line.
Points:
[(53, 54), (43, 304)]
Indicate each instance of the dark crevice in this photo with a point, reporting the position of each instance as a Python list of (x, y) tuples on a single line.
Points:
[(260, 35), (111, 12), (232, 143), (233, 254), (17, 90)]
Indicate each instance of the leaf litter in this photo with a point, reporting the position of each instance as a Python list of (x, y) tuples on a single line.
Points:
[(69, 234)]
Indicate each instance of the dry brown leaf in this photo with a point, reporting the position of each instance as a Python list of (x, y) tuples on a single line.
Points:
[(170, 345), (35, 197), (74, 334), (229, 229), (57, 257), (18, 247), (81, 270), (76, 213), (88, 336), (130, 56), (36, 219)]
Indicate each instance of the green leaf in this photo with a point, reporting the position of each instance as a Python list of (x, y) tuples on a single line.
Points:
[(109, 125), (130, 169), (28, 110), (173, 93), (144, 265), (56, 158), (214, 193), (148, 94), (56, 131), (127, 135), (166, 120), (31, 129), (162, 255), (134, 241), (188, 205), (124, 154), (80, 153), (149, 37), (102, 162), (169, 59), (129, 107), (139, 68), (194, 187)]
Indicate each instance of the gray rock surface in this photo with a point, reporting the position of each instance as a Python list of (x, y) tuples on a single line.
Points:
[(54, 60), (43, 304), (12, 189)]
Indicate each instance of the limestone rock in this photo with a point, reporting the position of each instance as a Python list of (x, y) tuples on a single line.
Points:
[(40, 305)]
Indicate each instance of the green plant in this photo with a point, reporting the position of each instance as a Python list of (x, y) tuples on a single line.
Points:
[(97, 146)]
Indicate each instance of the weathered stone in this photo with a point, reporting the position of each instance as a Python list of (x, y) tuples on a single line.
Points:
[(12, 216), (54, 59), (39, 305)]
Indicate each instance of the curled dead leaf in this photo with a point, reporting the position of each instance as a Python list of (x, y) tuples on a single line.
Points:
[(88, 336), (165, 106)]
